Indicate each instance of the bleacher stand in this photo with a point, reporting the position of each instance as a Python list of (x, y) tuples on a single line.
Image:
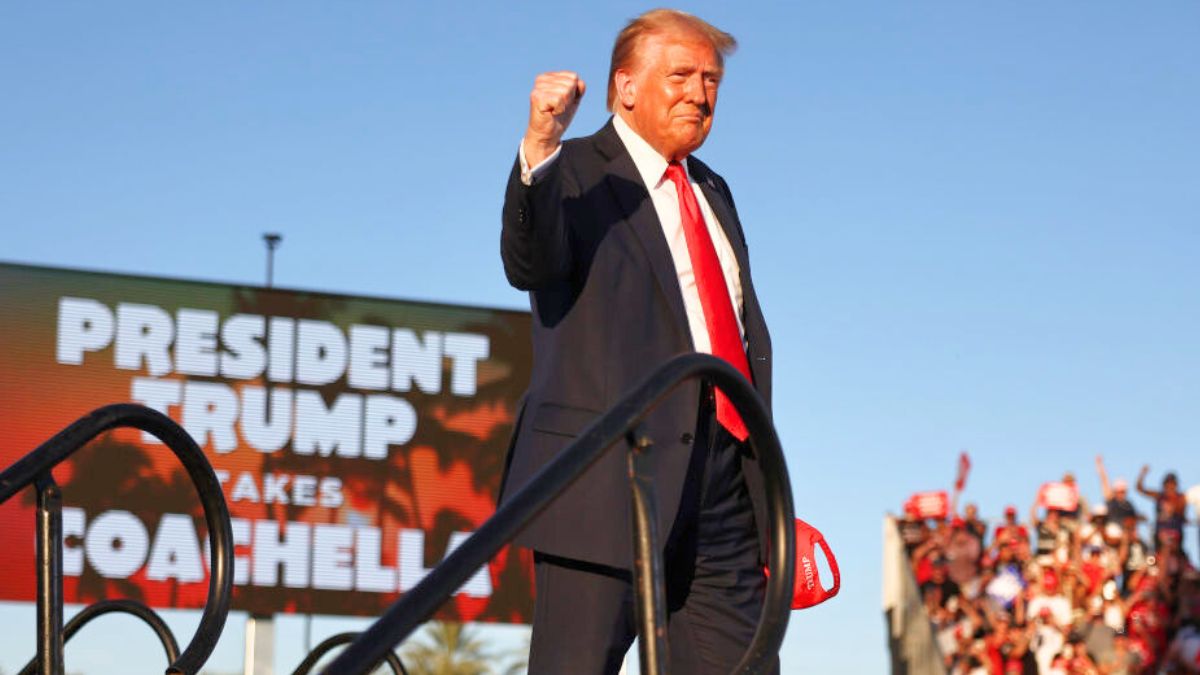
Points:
[(1075, 590)]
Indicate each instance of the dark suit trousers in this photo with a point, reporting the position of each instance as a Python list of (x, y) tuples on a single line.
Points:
[(584, 618)]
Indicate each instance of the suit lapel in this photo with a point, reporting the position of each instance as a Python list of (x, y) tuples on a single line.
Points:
[(725, 216), (757, 353), (626, 183)]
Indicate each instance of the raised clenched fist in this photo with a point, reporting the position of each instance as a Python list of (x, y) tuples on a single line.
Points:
[(552, 104)]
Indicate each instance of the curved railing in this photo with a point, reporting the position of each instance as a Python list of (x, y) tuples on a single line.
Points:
[(329, 643), (121, 605), (621, 421), (34, 468)]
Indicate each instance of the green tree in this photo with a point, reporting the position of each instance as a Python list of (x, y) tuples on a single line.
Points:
[(449, 648)]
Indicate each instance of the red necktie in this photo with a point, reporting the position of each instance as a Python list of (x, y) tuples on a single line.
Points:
[(719, 318)]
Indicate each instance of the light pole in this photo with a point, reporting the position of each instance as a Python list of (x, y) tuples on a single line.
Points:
[(259, 657), (272, 240)]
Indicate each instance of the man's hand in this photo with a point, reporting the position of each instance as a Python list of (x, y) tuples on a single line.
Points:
[(552, 104)]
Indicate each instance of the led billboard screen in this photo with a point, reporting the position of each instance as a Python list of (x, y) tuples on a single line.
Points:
[(357, 439)]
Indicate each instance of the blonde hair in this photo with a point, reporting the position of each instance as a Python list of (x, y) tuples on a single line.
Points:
[(658, 21)]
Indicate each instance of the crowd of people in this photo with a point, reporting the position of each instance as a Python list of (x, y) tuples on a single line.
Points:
[(1077, 589)]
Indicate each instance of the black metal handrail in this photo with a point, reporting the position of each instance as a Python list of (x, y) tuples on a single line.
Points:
[(621, 421), (35, 467), (125, 606), (329, 643)]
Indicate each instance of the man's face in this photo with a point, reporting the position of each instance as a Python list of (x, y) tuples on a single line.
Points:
[(671, 92)]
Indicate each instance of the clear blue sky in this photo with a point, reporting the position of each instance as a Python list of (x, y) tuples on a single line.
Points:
[(973, 226)]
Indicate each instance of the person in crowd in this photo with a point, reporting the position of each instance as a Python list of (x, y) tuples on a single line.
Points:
[(964, 553), (1112, 607), (1099, 554), (1006, 647), (1122, 660), (1193, 498), (1073, 660), (930, 553), (1093, 569), (974, 663), (1047, 639), (1052, 539), (1116, 495), (977, 527), (1091, 532), (1173, 564), (914, 531), (939, 586), (1009, 531), (1183, 656), (1097, 636), (1064, 497), (1133, 551), (1169, 508), (1004, 582), (1046, 596), (1148, 620)]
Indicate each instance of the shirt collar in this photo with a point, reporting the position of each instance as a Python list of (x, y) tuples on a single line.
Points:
[(650, 165)]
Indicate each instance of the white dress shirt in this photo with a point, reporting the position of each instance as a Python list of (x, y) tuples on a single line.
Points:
[(653, 168)]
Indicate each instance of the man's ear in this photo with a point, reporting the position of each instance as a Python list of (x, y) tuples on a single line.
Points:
[(626, 88)]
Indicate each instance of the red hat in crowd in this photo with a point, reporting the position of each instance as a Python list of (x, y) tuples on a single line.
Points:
[(1010, 511), (1050, 580)]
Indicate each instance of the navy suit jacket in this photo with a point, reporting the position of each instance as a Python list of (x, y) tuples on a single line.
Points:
[(586, 242)]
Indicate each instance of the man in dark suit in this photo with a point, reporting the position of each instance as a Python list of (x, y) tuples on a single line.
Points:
[(632, 252)]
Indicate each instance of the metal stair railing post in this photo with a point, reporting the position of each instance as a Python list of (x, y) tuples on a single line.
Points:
[(35, 467), (647, 559), (49, 575), (407, 613)]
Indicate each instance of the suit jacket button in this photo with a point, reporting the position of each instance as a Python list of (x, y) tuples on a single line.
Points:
[(686, 438), (520, 215)]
